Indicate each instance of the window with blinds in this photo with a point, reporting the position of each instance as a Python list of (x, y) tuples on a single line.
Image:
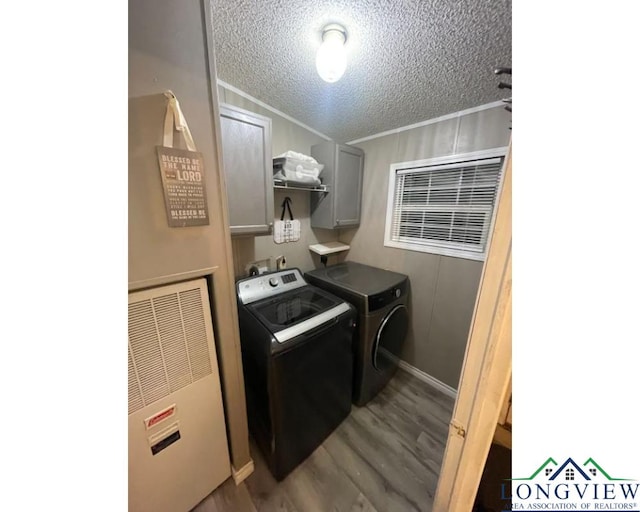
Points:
[(443, 206)]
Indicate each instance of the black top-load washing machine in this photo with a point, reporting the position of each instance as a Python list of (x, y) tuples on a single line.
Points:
[(380, 296), (297, 360)]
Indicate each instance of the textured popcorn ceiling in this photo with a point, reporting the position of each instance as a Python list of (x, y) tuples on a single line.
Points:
[(408, 60)]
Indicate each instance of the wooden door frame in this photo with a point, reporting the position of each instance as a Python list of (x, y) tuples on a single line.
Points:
[(486, 371)]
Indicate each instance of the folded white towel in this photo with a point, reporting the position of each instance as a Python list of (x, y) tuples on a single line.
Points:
[(297, 156), (297, 177)]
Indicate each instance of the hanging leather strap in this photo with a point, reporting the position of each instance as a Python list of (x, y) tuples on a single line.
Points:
[(286, 204), (174, 116)]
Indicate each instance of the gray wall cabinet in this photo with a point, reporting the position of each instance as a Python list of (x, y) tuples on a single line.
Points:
[(248, 169), (343, 167)]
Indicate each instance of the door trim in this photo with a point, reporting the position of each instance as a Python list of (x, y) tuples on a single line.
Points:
[(486, 371), (239, 475)]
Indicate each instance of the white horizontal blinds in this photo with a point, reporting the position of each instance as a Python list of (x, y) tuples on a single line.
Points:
[(447, 206)]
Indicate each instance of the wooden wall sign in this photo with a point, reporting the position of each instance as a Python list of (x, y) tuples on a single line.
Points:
[(183, 181), (182, 171)]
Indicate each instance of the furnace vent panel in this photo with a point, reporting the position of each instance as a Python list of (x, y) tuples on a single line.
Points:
[(168, 347)]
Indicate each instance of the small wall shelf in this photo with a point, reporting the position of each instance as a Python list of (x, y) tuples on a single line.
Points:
[(328, 248)]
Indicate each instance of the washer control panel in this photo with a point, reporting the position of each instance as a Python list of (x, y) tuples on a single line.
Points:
[(262, 286)]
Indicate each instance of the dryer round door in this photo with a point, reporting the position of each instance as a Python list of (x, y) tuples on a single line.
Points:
[(390, 338)]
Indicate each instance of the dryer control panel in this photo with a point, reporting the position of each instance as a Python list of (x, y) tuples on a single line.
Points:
[(380, 300)]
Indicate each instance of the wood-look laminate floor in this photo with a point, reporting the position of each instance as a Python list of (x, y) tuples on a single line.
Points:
[(384, 457)]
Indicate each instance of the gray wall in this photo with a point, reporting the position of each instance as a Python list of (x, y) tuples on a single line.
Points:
[(158, 60), (443, 289), (285, 136)]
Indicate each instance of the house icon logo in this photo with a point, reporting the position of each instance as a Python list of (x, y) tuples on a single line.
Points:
[(569, 471), (571, 486)]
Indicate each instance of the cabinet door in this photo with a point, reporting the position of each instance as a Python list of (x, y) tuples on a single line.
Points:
[(348, 186), (248, 168)]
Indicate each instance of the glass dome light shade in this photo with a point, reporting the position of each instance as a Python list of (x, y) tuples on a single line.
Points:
[(331, 59)]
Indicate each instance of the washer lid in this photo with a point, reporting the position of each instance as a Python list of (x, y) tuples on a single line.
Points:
[(359, 278), (291, 314)]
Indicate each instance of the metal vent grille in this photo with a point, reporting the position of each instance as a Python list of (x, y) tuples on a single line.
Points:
[(172, 341), (196, 333), (135, 397), (168, 347)]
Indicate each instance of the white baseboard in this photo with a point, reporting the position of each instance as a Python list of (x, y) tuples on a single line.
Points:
[(241, 474), (425, 377)]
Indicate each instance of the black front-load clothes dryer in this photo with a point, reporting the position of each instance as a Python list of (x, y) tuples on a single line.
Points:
[(381, 299)]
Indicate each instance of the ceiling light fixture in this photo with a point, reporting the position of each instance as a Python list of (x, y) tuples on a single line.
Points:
[(331, 59)]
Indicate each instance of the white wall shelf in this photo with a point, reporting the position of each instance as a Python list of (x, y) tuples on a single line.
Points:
[(329, 248)]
